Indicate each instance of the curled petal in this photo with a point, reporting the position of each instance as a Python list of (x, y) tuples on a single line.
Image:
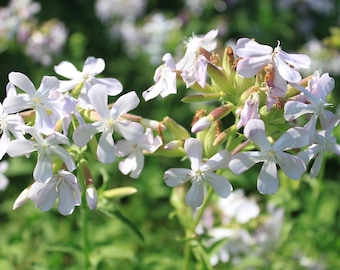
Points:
[(44, 195)]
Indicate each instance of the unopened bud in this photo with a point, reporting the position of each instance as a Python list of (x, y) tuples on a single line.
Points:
[(91, 197), (178, 132), (22, 198), (202, 123), (174, 145), (119, 192)]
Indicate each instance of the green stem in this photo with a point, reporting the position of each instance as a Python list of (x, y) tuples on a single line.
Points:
[(85, 235), (190, 232)]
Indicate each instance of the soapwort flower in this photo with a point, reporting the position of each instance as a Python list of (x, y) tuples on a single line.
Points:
[(63, 186), (323, 142), (47, 147), (133, 151), (315, 104), (110, 120), (92, 67), (271, 155), (164, 78), (200, 173), (47, 109)]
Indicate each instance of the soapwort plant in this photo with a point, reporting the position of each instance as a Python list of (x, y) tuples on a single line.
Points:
[(256, 108)]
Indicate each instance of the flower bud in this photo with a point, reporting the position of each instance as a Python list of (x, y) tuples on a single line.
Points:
[(91, 197), (22, 198), (202, 123), (173, 145), (119, 192), (177, 131)]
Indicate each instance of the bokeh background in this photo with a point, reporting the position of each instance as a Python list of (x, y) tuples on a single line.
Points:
[(132, 36)]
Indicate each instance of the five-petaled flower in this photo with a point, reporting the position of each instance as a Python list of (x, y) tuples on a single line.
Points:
[(292, 165), (64, 186), (47, 147), (200, 173), (110, 120)]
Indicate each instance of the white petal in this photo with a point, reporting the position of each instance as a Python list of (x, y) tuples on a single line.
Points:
[(67, 70), (105, 149), (193, 148), (48, 83), (124, 147), (245, 160), (246, 48), (293, 166), (129, 130), (23, 82), (220, 184), (125, 103), (18, 148), (98, 97), (195, 195), (44, 195), (267, 182), (65, 156), (286, 72), (66, 199), (218, 161), (315, 169), (249, 67), (176, 176), (83, 134), (14, 104), (43, 169), (255, 131), (325, 85), (294, 109), (94, 66), (114, 87), (152, 92), (292, 138)]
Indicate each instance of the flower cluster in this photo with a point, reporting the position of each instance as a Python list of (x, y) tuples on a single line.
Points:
[(279, 119)]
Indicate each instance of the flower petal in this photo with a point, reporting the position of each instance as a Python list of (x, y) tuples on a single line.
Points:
[(294, 109), (177, 176), (66, 199), (43, 169), (195, 195), (98, 97), (18, 148), (114, 87), (23, 82), (105, 150), (218, 161), (293, 138), (255, 131), (44, 195), (267, 182), (83, 134), (220, 184), (293, 166), (193, 148), (67, 70), (125, 103), (93, 66), (245, 160)]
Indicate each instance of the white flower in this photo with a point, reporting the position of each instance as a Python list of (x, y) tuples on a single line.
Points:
[(193, 65), (64, 186), (110, 121), (47, 110), (256, 56), (324, 142), (47, 148), (199, 173), (164, 78), (316, 102), (133, 151), (92, 67), (270, 155)]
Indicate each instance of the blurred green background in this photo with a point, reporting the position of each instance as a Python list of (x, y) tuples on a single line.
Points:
[(132, 36)]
